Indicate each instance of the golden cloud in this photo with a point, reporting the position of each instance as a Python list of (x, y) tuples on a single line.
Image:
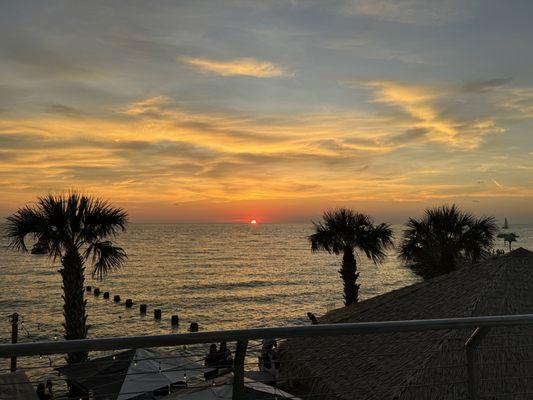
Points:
[(424, 105), (237, 67)]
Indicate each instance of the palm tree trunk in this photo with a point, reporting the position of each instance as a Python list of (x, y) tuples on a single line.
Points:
[(447, 261), (72, 272), (349, 276)]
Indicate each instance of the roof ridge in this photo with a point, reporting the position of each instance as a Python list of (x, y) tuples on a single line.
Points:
[(397, 294), (386, 298), (520, 252), (408, 290)]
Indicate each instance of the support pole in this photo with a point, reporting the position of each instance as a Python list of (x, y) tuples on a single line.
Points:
[(470, 346), (238, 370), (14, 338)]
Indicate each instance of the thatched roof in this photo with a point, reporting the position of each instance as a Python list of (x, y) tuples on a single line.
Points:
[(430, 364)]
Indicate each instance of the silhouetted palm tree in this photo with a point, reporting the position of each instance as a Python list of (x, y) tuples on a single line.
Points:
[(75, 228), (442, 237), (345, 231)]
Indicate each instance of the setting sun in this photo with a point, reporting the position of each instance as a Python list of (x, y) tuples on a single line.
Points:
[(253, 222)]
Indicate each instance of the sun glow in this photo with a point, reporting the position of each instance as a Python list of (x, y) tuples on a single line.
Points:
[(253, 222)]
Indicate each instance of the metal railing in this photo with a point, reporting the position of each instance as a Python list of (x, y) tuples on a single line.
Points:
[(243, 336), (236, 335)]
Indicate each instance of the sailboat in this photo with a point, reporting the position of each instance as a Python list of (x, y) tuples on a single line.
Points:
[(505, 224)]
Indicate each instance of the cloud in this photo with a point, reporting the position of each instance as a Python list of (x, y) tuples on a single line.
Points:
[(33, 56), (519, 101), (410, 135), (236, 67), (375, 48), (430, 113), (160, 151), (417, 102), (418, 12), (67, 111), (498, 184), (146, 107), (483, 86)]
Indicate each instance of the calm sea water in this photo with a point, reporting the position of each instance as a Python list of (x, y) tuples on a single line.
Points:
[(219, 275)]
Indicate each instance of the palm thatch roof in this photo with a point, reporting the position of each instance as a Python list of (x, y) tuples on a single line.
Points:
[(430, 364)]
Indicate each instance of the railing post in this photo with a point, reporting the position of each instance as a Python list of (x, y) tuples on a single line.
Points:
[(238, 370), (470, 347), (14, 338)]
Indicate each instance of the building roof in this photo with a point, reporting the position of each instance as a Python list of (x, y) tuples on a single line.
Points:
[(429, 364)]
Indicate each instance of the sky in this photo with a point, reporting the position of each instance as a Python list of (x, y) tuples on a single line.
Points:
[(272, 110)]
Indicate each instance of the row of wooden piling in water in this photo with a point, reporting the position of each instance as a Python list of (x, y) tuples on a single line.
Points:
[(174, 319)]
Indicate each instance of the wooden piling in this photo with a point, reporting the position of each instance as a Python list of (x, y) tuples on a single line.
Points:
[(14, 338)]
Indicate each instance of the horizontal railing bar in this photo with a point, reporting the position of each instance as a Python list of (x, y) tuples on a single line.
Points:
[(133, 342)]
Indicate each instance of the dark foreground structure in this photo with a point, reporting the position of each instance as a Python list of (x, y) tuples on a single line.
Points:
[(426, 364)]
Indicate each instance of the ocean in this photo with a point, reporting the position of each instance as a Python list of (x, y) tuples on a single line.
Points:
[(221, 276)]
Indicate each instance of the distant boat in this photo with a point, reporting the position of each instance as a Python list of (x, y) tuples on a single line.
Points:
[(505, 224)]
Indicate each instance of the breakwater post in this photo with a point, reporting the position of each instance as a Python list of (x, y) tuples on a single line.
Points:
[(174, 320), (14, 338)]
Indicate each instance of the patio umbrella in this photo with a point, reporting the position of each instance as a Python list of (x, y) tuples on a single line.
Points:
[(131, 373), (224, 391), (16, 386)]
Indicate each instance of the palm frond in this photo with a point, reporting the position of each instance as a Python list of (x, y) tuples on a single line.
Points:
[(479, 238), (100, 220), (442, 236), (106, 257), (377, 241), (26, 221), (61, 221), (322, 239), (342, 229)]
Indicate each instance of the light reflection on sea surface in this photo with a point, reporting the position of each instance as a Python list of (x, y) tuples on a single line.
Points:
[(219, 275)]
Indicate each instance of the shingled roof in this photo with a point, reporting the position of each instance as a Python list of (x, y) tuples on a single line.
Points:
[(430, 364)]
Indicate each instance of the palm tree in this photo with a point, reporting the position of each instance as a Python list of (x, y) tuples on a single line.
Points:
[(76, 229), (445, 235), (345, 231)]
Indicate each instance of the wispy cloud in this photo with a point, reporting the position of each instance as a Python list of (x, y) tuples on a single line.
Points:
[(418, 12), (236, 67), (428, 114), (151, 105), (483, 86), (497, 183)]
